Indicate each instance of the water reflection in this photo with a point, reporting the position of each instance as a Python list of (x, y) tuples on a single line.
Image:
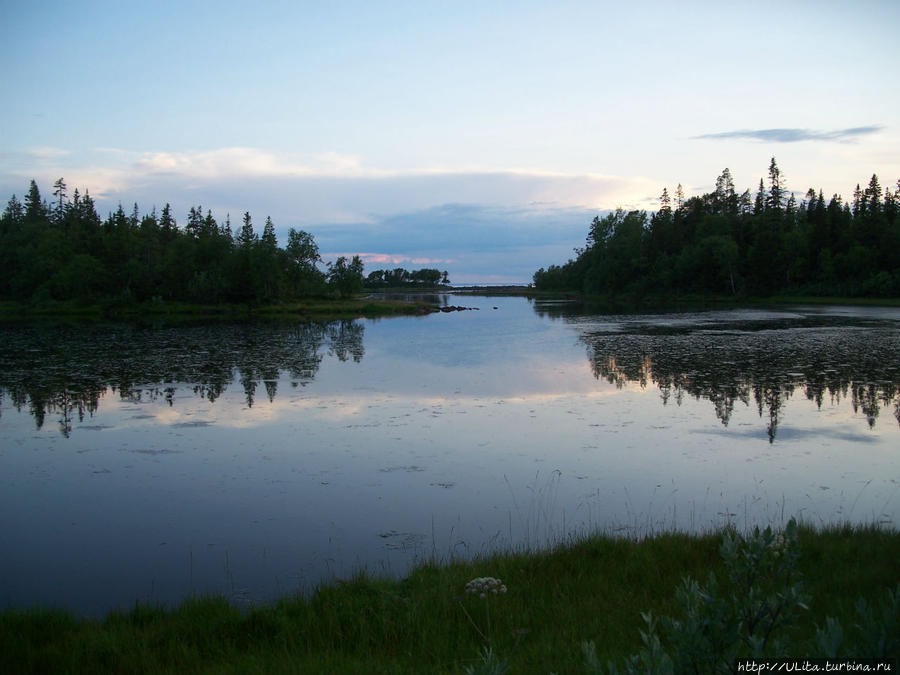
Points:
[(755, 359), (258, 459), (65, 370)]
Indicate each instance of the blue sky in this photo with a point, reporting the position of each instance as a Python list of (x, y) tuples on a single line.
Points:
[(477, 137)]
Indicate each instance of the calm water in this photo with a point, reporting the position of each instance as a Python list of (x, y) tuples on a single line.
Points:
[(148, 463)]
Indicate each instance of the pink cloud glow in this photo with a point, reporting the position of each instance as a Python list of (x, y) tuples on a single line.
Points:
[(397, 259)]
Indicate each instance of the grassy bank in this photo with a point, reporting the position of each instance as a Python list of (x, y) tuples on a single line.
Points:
[(308, 309), (593, 590)]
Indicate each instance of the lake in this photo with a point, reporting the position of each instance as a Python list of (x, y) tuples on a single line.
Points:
[(148, 463)]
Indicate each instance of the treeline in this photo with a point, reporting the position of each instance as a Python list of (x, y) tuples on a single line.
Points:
[(399, 278), (62, 250), (724, 242)]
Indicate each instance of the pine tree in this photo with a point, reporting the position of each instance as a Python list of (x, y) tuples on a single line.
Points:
[(724, 198), (665, 204), (59, 192)]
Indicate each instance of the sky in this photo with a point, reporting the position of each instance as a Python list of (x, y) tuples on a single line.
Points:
[(479, 138)]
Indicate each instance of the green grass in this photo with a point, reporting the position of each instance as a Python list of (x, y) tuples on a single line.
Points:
[(593, 589)]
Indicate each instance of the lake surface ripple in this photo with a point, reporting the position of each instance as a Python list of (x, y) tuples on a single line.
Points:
[(255, 460)]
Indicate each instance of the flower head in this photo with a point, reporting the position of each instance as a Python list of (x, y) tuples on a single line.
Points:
[(484, 586)]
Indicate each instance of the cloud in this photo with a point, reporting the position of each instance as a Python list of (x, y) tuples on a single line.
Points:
[(396, 259), (447, 227), (325, 187), (46, 153), (244, 161), (474, 242), (794, 135)]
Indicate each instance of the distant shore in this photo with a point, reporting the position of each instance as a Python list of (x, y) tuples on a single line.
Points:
[(369, 305), (319, 309), (510, 289), (662, 302)]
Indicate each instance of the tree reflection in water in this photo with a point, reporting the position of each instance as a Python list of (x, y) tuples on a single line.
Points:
[(66, 369), (767, 366)]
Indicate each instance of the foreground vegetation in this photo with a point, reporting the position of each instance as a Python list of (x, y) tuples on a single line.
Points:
[(740, 245), (569, 610)]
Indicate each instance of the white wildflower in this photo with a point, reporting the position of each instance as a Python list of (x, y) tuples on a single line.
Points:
[(482, 586), (777, 545)]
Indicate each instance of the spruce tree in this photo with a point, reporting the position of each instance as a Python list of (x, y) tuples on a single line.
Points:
[(167, 225), (35, 210), (246, 237), (775, 199)]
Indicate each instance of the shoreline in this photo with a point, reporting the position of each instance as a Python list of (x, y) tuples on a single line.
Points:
[(370, 306), (318, 309)]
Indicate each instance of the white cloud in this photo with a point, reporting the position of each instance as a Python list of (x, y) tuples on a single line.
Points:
[(236, 162), (332, 186), (47, 153), (388, 260)]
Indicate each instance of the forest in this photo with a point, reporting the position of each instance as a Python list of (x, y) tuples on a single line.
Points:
[(720, 243), (726, 243), (62, 250)]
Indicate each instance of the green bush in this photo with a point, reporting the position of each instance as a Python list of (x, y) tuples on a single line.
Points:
[(752, 615)]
